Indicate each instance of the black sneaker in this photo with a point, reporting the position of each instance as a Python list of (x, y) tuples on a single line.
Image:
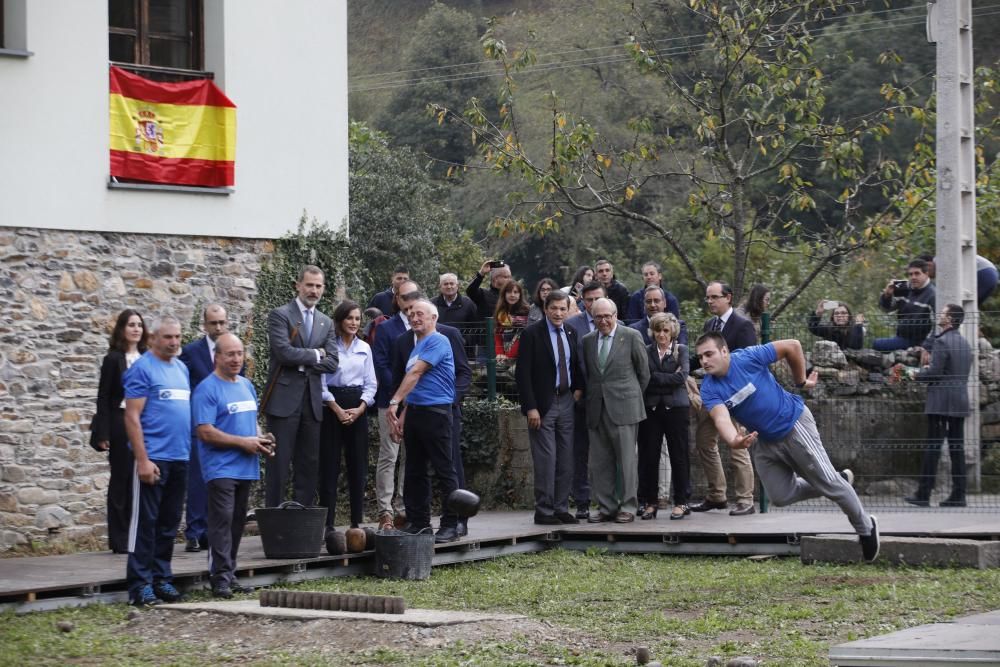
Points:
[(237, 587), (918, 501), (166, 592), (952, 502), (222, 591), (145, 598), (869, 543)]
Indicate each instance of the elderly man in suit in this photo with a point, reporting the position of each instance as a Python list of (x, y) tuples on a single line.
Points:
[(199, 357), (617, 374), (303, 347), (550, 383), (947, 378), (739, 333), (583, 324)]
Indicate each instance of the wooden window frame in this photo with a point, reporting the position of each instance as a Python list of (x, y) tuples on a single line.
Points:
[(142, 35)]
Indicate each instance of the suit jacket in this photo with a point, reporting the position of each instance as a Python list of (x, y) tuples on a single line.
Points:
[(948, 376), (198, 360), (536, 367), (667, 378), (738, 331), (385, 335), (110, 394), (403, 346), (619, 387), (288, 387)]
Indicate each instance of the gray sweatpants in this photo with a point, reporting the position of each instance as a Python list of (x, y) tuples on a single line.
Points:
[(227, 514), (797, 468)]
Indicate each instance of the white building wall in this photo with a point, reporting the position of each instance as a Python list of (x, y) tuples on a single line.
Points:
[(284, 65)]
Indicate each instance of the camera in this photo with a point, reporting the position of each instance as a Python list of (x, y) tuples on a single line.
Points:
[(497, 263), (901, 287), (830, 305)]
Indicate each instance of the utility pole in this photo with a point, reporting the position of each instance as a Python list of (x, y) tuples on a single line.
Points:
[(949, 26)]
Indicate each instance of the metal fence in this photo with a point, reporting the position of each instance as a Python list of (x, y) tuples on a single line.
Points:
[(870, 413)]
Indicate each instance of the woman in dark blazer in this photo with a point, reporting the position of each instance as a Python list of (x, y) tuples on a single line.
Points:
[(667, 406), (127, 343)]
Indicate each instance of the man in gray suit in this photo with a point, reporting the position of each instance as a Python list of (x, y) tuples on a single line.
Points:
[(617, 371), (947, 406), (303, 347)]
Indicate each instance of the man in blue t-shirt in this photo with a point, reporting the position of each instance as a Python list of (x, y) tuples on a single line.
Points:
[(158, 424), (425, 422), (790, 459), (224, 409)]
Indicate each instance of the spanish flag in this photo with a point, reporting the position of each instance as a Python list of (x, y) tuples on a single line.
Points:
[(176, 133)]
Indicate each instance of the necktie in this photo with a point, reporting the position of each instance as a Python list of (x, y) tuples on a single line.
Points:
[(561, 373), (602, 354), (717, 324), (307, 326)]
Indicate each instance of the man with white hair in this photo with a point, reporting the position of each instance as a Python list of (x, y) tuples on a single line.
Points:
[(158, 423), (421, 411), (455, 309)]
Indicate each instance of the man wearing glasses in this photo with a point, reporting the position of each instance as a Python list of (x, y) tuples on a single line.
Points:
[(199, 357), (739, 333)]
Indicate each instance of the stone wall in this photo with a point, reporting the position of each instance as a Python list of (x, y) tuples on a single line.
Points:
[(60, 293)]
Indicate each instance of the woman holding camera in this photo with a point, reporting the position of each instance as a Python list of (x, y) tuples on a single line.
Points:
[(840, 327)]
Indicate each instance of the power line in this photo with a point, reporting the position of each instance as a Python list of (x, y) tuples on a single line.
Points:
[(662, 40), (586, 62)]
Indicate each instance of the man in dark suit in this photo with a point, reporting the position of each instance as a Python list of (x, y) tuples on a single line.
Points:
[(947, 379), (402, 347), (655, 300), (550, 382), (303, 347), (390, 448), (385, 299), (199, 357), (739, 333), (583, 324), (617, 374)]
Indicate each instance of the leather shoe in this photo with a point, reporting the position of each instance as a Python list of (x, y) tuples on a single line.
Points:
[(600, 517), (582, 513), (237, 587), (547, 519), (446, 534), (742, 509), (952, 502), (192, 546), (566, 517), (918, 501), (222, 591), (706, 505), (463, 527), (625, 517)]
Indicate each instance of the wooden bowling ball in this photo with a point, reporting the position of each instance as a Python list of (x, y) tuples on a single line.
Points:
[(355, 540), (336, 543), (463, 502), (369, 538)]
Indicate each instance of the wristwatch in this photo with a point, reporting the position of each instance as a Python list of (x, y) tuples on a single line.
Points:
[(393, 401)]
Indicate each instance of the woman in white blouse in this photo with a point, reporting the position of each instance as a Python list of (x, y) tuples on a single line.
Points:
[(348, 394)]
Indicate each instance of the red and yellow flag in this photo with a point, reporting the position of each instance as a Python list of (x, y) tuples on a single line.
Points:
[(176, 133)]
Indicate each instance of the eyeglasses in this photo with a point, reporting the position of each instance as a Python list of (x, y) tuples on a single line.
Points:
[(714, 297), (603, 317)]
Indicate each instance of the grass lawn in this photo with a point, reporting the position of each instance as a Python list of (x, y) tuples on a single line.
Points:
[(596, 608)]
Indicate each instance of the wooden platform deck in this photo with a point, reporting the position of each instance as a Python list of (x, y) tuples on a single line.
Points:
[(47, 582)]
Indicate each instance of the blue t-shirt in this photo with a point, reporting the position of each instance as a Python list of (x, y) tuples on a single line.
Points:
[(166, 417), (437, 385), (752, 395), (230, 407)]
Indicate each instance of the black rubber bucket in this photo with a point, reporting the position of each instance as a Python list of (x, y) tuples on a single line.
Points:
[(400, 555), (291, 530)]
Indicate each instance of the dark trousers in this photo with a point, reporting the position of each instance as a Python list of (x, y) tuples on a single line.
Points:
[(456, 443), (351, 442), (552, 456), (427, 433), (297, 437), (581, 458), (940, 427), (672, 423), (227, 501), (195, 519), (119, 485), (156, 514)]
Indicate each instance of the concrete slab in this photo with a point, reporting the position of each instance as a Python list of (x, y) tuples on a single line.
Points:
[(935, 551), (936, 645), (428, 618), (989, 618)]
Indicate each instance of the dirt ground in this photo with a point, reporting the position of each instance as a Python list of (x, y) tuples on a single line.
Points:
[(228, 637)]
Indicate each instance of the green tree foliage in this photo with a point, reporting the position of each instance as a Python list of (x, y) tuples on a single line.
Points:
[(443, 55)]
